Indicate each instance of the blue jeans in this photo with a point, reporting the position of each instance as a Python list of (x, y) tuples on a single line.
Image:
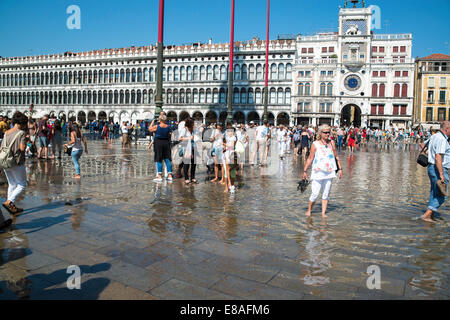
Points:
[(436, 199), (340, 141), (168, 165), (76, 154)]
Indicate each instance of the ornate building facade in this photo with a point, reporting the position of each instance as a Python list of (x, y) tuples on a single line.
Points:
[(347, 77), (432, 90), (354, 77), (119, 84)]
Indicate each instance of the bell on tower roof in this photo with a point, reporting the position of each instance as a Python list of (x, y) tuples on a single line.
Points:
[(354, 3)]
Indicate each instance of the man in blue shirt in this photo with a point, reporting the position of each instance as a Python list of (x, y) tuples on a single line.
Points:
[(438, 165)]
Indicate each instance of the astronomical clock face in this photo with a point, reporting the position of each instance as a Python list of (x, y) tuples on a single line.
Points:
[(352, 83)]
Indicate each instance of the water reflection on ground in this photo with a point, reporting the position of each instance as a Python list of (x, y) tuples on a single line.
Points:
[(194, 241)]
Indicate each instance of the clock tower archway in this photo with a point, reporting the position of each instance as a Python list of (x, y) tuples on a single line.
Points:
[(351, 115)]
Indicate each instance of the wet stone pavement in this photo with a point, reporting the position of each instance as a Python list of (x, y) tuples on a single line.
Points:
[(135, 239)]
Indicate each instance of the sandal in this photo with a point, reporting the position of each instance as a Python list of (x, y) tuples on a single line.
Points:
[(11, 207)]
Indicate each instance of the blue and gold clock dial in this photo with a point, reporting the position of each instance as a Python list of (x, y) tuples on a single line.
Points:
[(352, 82)]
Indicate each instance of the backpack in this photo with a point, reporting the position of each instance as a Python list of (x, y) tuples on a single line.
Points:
[(7, 159)]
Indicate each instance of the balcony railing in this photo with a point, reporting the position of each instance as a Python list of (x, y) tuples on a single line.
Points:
[(405, 36), (316, 61), (391, 60)]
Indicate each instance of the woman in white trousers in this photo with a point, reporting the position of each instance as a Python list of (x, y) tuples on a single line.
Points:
[(323, 156), (16, 175)]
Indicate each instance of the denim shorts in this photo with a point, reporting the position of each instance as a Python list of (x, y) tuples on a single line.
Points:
[(43, 141)]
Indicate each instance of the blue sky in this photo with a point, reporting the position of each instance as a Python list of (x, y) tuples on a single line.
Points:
[(30, 27)]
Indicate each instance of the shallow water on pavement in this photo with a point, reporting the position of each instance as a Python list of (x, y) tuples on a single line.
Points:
[(258, 236)]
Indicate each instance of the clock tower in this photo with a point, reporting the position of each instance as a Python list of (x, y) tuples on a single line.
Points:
[(354, 45)]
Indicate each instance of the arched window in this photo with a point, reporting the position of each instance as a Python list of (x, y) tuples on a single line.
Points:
[(404, 90), (209, 73), (133, 97), (127, 97), (202, 96), (216, 95), (374, 90), (176, 74), (273, 71), (105, 76), (169, 74), (300, 89), (273, 96), (329, 89), (100, 76), (84, 97), (243, 96), (89, 100), (94, 97), (250, 96), (110, 97), (195, 73), (244, 72), (188, 96), (216, 75), (164, 75), (152, 75), (144, 97), (116, 76), (251, 72), (397, 90), (181, 96), (138, 97), (151, 97), (121, 97), (133, 75), (183, 74), (145, 75), (222, 96), (237, 72), (280, 71), (280, 96), (139, 75), (100, 97), (307, 89), (116, 97), (289, 71), (223, 73), (236, 95), (288, 95), (258, 95), (382, 90), (259, 72), (195, 95), (175, 96), (127, 78), (208, 96), (202, 73), (322, 89), (189, 73)]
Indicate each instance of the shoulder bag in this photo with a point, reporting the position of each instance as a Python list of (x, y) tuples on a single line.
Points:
[(7, 159)]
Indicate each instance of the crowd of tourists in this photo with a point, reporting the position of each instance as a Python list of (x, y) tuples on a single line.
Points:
[(180, 149)]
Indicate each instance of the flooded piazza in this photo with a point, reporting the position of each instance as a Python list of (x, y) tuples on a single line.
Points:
[(136, 239)]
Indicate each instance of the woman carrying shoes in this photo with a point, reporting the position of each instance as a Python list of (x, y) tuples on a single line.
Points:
[(15, 138)]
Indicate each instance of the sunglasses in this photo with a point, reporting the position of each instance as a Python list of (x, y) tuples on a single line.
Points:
[(328, 132)]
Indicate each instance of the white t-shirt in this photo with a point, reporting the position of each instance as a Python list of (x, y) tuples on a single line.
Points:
[(262, 132), (124, 129), (439, 144), (281, 135), (230, 140), (181, 129), (218, 139)]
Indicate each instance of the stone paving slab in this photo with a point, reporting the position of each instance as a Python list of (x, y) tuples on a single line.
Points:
[(175, 289)]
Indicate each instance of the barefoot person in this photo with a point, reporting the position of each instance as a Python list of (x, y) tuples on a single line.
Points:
[(438, 165), (162, 147), (16, 175), (323, 156), (76, 141)]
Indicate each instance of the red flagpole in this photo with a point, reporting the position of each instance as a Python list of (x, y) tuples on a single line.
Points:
[(230, 69), (266, 88)]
